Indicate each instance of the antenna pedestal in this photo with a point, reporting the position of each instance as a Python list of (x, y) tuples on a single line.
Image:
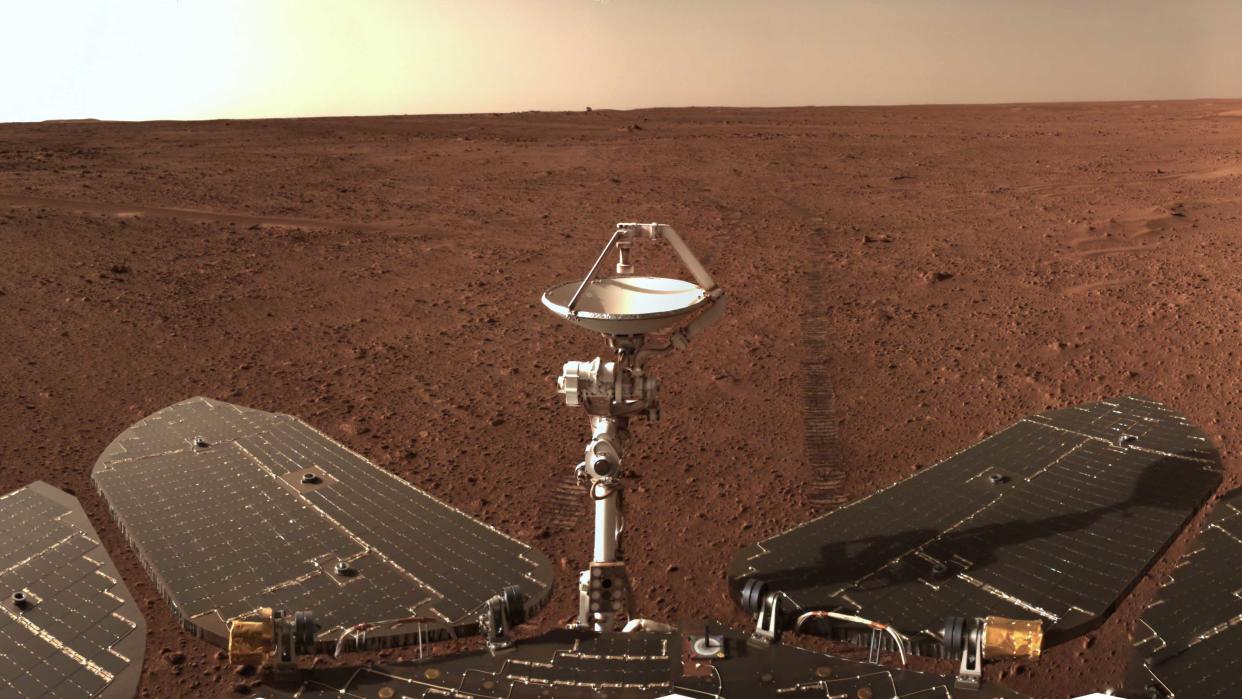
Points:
[(629, 310)]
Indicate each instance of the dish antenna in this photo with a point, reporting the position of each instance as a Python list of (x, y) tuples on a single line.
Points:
[(630, 311)]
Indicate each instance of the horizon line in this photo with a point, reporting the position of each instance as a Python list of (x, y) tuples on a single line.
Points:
[(589, 109)]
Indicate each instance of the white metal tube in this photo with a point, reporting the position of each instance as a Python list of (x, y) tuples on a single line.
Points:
[(706, 320), (687, 258), (605, 526), (573, 301)]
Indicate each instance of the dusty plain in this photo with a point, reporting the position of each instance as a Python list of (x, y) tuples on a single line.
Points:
[(380, 278)]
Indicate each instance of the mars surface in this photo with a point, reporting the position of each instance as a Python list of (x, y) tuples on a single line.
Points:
[(916, 277)]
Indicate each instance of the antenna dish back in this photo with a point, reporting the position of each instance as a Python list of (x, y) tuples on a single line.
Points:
[(634, 305), (630, 305)]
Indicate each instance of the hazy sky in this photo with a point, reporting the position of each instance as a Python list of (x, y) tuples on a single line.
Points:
[(201, 59)]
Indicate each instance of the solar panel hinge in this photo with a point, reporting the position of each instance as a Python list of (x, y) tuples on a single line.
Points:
[(970, 669), (767, 624)]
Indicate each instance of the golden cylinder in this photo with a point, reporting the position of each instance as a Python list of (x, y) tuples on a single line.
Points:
[(1012, 638), (250, 642)]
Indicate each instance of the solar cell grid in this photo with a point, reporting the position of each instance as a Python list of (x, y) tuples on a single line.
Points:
[(1189, 637), (1055, 517), (227, 527), (80, 634)]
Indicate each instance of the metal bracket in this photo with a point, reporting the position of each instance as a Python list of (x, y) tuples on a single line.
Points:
[(495, 625), (767, 629), (877, 639), (970, 670), (502, 610)]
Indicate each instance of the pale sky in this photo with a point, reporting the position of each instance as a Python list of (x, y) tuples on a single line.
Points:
[(205, 59)]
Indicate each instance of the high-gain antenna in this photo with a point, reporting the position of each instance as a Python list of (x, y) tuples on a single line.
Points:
[(642, 317)]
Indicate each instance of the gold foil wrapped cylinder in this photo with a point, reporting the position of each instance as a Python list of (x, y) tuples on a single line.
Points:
[(250, 642), (1012, 638)]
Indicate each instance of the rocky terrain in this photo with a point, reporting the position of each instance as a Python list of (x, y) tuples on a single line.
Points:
[(936, 272)]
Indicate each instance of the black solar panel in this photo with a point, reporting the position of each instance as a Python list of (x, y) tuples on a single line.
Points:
[(1191, 636), (77, 631), (1054, 518), (584, 665), (212, 497)]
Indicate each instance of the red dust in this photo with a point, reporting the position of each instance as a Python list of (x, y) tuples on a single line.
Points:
[(380, 277)]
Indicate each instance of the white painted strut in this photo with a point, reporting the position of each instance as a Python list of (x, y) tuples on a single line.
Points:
[(605, 523)]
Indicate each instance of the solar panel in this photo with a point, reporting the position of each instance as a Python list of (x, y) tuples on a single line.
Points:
[(68, 625), (1192, 633), (581, 665), (1054, 518), (233, 509)]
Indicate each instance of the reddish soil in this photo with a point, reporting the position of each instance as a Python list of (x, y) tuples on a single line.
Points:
[(380, 277)]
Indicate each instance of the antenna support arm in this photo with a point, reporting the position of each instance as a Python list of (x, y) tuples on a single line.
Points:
[(663, 230)]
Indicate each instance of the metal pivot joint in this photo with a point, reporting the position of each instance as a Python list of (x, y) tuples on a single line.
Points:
[(767, 627), (963, 638), (502, 611)]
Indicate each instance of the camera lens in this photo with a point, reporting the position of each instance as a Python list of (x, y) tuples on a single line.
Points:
[(601, 467)]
